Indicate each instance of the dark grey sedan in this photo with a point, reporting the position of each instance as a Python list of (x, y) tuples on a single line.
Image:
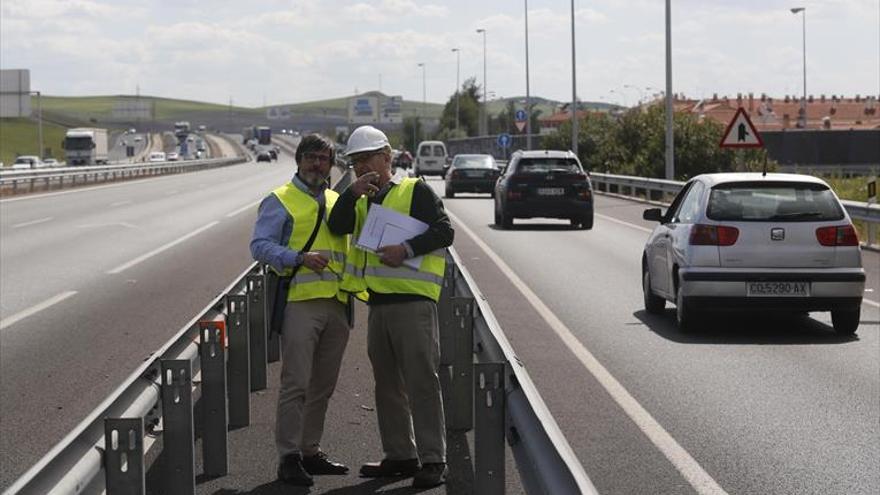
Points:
[(471, 174)]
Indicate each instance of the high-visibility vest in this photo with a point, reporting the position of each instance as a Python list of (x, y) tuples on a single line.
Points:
[(307, 283), (363, 270)]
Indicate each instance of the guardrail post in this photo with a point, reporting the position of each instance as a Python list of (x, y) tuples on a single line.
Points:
[(178, 440), (447, 336), (256, 311), (238, 371), (461, 416), (273, 344), (212, 352), (489, 462), (124, 456)]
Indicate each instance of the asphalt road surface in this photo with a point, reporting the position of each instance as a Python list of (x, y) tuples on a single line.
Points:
[(95, 279), (749, 404)]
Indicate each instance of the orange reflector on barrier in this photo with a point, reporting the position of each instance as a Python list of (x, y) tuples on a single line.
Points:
[(221, 324)]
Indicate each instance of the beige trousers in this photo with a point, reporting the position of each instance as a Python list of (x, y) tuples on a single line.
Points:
[(403, 342), (313, 342)]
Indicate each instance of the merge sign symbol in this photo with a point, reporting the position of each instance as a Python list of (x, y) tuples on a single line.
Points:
[(741, 133)]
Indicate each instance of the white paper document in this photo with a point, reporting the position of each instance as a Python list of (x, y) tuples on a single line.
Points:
[(385, 227)]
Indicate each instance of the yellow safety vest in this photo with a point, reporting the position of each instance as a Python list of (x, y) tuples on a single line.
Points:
[(363, 270), (307, 283)]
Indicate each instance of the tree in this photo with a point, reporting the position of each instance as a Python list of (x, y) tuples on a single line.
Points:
[(469, 112), (412, 132)]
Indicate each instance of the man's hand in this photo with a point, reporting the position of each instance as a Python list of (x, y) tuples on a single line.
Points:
[(393, 255), (315, 261), (365, 185)]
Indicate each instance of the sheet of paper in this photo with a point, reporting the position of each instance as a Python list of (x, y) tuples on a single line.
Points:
[(385, 227)]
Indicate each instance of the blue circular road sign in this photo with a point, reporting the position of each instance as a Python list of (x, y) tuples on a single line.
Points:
[(520, 115), (504, 140)]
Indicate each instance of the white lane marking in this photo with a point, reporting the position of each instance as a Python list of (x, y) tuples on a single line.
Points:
[(170, 193), (621, 222), (120, 203), (126, 266), (32, 222), (644, 229), (689, 468), (35, 309), (243, 208)]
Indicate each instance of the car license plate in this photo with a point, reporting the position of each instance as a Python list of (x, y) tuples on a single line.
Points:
[(474, 173), (551, 191), (777, 289)]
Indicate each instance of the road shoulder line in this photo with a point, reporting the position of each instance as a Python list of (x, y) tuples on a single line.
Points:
[(35, 309)]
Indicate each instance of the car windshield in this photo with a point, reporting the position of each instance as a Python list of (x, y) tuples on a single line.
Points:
[(547, 165), (439, 151), (779, 201), (473, 162)]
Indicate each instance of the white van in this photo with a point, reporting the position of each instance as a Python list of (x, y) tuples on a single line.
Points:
[(430, 158)]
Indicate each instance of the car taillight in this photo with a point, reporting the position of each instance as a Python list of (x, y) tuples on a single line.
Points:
[(713, 235), (841, 235), (584, 194)]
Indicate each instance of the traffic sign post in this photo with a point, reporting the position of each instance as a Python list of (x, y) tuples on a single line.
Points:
[(503, 142), (520, 119)]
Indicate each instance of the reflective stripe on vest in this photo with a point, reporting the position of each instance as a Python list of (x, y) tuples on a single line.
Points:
[(308, 284), (364, 270)]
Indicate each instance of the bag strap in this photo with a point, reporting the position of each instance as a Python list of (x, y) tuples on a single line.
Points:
[(321, 209)]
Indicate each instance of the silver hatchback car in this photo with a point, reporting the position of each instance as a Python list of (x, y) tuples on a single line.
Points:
[(746, 242)]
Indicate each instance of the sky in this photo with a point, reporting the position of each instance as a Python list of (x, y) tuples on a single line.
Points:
[(290, 51)]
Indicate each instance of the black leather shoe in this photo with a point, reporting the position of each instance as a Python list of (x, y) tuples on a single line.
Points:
[(389, 467), (291, 471), (320, 464), (431, 474)]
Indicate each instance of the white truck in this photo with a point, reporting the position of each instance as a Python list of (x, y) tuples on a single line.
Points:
[(86, 146)]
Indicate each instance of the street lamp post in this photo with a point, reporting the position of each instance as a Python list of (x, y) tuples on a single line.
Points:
[(802, 120), (484, 125), (457, 89), (574, 122), (670, 142), (422, 65), (528, 95)]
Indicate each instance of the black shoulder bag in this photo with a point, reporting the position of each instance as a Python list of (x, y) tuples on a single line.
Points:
[(281, 285)]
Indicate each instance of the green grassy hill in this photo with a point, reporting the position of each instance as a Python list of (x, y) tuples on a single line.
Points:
[(20, 137)]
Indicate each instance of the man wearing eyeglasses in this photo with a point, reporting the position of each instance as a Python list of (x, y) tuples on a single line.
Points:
[(315, 328), (403, 340)]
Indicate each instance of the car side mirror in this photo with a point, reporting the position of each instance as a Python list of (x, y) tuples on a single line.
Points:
[(653, 215)]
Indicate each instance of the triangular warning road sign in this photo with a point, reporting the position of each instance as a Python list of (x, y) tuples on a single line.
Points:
[(520, 124), (741, 133)]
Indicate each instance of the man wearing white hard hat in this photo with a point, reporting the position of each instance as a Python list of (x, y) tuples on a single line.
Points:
[(403, 340)]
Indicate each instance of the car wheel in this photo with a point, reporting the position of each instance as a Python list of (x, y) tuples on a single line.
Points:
[(450, 193), (684, 314), (504, 221), (497, 218), (654, 304), (846, 321), (587, 222)]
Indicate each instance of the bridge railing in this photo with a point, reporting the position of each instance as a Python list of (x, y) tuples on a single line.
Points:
[(222, 355), (662, 190), (14, 181)]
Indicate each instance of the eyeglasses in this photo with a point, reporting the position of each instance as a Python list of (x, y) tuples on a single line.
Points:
[(317, 157)]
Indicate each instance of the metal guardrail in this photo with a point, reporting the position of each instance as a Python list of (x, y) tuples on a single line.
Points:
[(72, 175), (662, 189), (485, 388)]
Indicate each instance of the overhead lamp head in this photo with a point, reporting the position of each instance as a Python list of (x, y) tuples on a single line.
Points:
[(795, 10)]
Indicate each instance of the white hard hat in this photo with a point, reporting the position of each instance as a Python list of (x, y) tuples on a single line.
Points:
[(365, 138)]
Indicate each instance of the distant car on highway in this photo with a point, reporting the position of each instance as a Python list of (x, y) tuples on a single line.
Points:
[(24, 162), (748, 242), (157, 156), (471, 173), (138, 139), (430, 158), (544, 183), (172, 156), (264, 156), (273, 153), (51, 162)]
